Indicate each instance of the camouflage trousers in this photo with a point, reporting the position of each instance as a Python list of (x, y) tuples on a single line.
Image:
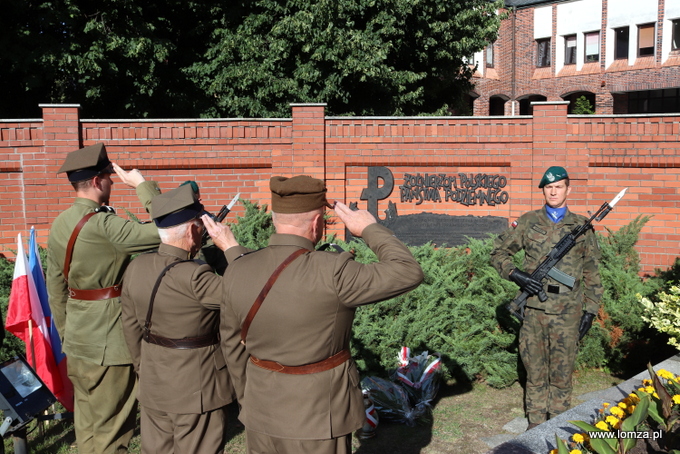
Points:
[(547, 346)]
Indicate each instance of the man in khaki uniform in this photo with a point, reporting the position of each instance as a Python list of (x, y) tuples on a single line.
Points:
[(295, 380), (171, 324), (84, 290), (552, 328)]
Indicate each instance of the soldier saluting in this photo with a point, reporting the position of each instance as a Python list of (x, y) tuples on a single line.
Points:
[(89, 247), (551, 328)]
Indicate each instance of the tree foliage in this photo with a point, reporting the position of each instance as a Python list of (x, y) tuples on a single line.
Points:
[(126, 58)]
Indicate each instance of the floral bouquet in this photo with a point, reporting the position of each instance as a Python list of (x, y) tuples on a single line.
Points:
[(414, 386)]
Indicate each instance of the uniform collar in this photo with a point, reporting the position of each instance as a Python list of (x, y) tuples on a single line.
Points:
[(173, 251), (88, 202), (286, 239)]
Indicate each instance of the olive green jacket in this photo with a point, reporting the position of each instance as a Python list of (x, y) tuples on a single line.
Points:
[(306, 317), (536, 234), (92, 330), (186, 305)]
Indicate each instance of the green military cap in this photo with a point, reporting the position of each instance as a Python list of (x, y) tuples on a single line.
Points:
[(86, 163), (298, 194), (553, 174), (193, 185), (176, 207)]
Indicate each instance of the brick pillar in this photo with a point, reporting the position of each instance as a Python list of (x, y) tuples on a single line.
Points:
[(308, 151), (550, 145), (47, 193)]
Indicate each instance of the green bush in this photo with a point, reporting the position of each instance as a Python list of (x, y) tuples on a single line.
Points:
[(459, 309)]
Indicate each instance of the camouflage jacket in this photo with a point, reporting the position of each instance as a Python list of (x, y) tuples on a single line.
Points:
[(537, 235)]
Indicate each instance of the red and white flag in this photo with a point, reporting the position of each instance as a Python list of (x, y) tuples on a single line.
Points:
[(25, 319)]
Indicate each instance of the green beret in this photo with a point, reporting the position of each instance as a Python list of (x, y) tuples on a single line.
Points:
[(193, 185), (86, 163), (298, 194), (176, 207), (553, 174)]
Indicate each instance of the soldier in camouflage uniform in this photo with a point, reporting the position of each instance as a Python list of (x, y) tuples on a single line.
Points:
[(551, 329)]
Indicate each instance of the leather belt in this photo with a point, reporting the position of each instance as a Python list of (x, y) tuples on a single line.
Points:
[(185, 343), (96, 294), (320, 366)]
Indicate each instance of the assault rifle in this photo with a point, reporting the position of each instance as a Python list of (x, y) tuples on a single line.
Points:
[(547, 267), (219, 217)]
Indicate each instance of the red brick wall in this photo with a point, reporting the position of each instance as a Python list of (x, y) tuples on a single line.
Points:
[(603, 154), (515, 50)]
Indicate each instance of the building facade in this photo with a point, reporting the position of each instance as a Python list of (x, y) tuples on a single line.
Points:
[(623, 56)]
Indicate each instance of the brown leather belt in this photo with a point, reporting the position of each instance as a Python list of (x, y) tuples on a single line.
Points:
[(185, 343), (96, 294), (320, 366)]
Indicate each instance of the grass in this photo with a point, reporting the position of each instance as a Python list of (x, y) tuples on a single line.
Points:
[(461, 417)]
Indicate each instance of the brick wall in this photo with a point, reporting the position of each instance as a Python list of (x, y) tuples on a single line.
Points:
[(602, 153), (515, 52)]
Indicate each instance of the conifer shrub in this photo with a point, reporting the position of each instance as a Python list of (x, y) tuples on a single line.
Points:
[(459, 309)]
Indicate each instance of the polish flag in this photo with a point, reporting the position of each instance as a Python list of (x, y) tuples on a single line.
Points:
[(26, 320)]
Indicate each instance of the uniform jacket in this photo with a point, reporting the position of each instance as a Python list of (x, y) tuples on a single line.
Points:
[(186, 305), (536, 234), (91, 330), (307, 317)]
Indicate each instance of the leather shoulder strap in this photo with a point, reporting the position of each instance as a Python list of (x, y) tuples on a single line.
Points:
[(147, 322), (265, 290), (72, 242)]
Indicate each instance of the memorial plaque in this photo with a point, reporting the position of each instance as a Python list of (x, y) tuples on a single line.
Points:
[(443, 229)]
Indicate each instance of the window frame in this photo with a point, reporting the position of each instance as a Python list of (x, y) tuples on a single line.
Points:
[(489, 50), (675, 34), (618, 44), (569, 51), (649, 51), (595, 57), (547, 45)]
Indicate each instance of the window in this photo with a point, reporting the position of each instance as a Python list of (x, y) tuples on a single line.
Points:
[(675, 40), (489, 55), (592, 46), (543, 52), (570, 50), (621, 43), (645, 40)]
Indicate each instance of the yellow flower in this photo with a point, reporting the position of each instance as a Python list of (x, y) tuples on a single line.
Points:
[(650, 389), (676, 398), (578, 438), (624, 404), (617, 411), (631, 409), (634, 398), (553, 451), (663, 373), (605, 405), (602, 425), (575, 451), (612, 420), (655, 395), (646, 382)]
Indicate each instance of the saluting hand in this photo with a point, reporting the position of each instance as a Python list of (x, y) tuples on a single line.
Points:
[(133, 178), (221, 234), (355, 221)]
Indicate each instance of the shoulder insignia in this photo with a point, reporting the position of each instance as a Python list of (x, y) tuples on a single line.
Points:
[(514, 224)]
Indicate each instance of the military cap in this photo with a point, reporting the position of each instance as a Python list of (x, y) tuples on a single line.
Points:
[(553, 174), (298, 194), (86, 163), (193, 185), (176, 207)]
